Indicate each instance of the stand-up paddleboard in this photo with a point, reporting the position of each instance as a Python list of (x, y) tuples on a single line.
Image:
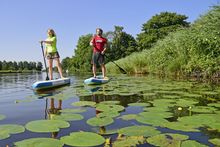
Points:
[(96, 81), (50, 84)]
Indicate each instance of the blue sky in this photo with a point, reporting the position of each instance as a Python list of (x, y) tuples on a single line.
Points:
[(24, 22)]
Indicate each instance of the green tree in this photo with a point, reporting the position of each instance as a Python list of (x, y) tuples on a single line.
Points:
[(122, 44), (158, 27), (39, 66), (83, 53)]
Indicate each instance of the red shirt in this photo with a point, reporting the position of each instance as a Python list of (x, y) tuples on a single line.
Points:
[(98, 43)]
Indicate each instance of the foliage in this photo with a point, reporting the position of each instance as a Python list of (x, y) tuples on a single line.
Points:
[(188, 51), (158, 27)]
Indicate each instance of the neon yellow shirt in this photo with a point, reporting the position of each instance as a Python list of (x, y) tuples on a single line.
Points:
[(51, 48)]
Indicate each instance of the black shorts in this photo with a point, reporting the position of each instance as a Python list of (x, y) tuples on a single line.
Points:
[(53, 55), (98, 58)]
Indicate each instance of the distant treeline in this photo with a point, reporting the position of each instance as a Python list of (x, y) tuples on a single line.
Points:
[(22, 65)]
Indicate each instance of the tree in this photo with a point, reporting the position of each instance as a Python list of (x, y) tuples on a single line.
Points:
[(83, 53), (158, 27), (122, 44), (39, 66)]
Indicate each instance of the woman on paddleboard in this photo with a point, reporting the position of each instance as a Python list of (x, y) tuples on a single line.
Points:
[(99, 47), (51, 52)]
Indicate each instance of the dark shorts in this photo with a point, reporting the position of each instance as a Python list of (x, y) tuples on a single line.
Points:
[(53, 55), (98, 58)]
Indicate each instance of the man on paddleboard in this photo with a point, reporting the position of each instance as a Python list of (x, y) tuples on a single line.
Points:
[(99, 47)]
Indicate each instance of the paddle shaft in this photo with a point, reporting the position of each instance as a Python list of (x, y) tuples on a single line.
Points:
[(42, 48), (121, 69)]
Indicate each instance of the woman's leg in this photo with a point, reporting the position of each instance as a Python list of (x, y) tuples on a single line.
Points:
[(94, 70), (50, 63), (59, 67)]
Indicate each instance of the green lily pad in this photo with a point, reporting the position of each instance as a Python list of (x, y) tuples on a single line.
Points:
[(152, 120), (130, 141), (102, 131), (110, 102), (109, 108), (152, 115), (82, 139), (192, 143), (128, 117), (73, 110), (108, 114), (180, 126), (168, 140), (163, 102), (203, 109), (68, 117), (190, 95), (200, 120), (215, 141), (39, 142), (145, 131), (140, 104), (84, 103), (6, 130), (157, 109), (46, 125), (97, 121), (214, 104), (2, 117), (185, 102)]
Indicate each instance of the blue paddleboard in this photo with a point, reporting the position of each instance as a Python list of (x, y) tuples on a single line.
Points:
[(96, 81), (50, 84)]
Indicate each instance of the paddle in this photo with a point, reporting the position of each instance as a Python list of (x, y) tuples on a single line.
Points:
[(47, 78), (121, 69)]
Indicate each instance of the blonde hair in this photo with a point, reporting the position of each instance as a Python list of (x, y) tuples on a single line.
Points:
[(52, 32)]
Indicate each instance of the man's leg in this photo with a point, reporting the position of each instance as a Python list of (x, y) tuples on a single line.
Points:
[(94, 70), (103, 70)]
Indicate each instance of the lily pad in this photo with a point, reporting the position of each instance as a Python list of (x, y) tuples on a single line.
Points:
[(203, 109), (180, 126), (97, 121), (39, 142), (152, 120), (140, 104), (157, 109), (110, 102), (192, 143), (84, 103), (46, 125), (185, 102), (130, 141), (214, 104), (168, 140), (68, 117), (215, 141), (6, 130), (128, 117), (73, 110), (109, 108), (2, 117), (152, 115), (82, 139), (108, 114), (145, 131)]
